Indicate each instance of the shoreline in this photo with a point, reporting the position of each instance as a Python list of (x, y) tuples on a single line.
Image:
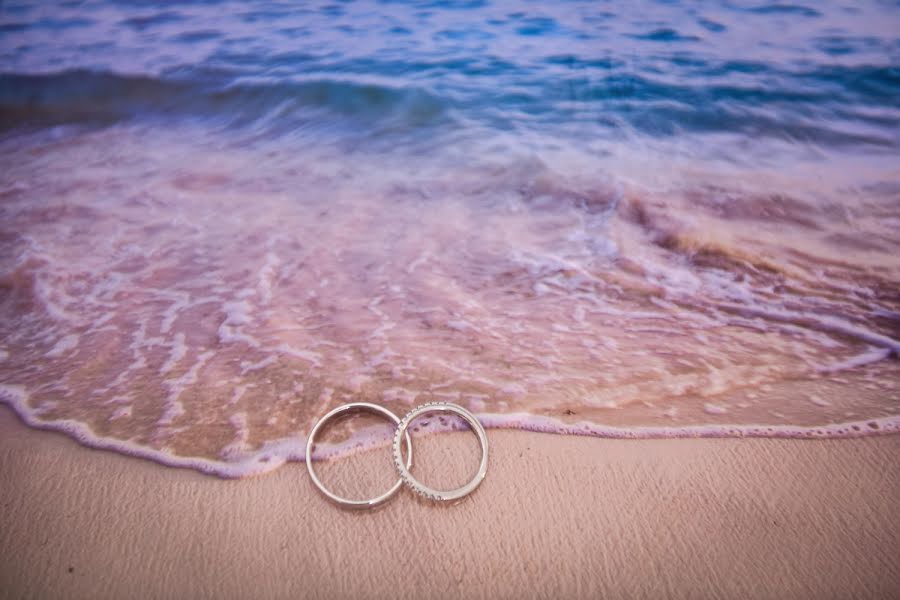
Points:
[(563, 516), (277, 453)]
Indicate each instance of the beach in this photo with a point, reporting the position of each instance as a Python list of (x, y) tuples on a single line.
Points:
[(653, 249), (556, 517)]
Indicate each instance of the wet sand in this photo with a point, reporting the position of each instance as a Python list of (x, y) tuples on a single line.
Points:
[(557, 516)]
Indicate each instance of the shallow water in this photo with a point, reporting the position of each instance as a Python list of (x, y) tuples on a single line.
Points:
[(218, 221)]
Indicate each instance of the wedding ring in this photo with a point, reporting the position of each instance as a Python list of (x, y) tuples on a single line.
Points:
[(344, 502), (415, 484)]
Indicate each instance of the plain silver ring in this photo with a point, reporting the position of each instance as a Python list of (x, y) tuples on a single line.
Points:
[(310, 442), (417, 486)]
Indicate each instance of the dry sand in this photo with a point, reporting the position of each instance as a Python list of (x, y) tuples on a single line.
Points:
[(557, 517)]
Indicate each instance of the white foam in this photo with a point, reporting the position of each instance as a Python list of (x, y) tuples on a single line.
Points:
[(138, 343), (822, 322), (247, 367), (237, 313), (525, 421), (62, 346), (239, 391), (178, 350), (275, 453), (312, 357), (267, 276), (268, 458), (871, 356), (182, 300), (45, 294), (174, 409), (173, 406), (241, 434)]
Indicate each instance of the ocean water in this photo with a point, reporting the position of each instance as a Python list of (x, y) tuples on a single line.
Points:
[(218, 220)]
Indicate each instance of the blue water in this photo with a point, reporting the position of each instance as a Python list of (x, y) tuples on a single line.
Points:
[(402, 76), (220, 219)]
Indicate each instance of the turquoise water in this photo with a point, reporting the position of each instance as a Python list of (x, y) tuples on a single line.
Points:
[(792, 77)]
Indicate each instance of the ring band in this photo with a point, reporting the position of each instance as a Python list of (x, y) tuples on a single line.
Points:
[(345, 408), (415, 484)]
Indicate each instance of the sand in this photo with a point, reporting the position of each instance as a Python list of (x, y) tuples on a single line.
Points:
[(557, 517)]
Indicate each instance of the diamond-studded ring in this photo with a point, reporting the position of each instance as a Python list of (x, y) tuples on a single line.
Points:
[(310, 442), (417, 486)]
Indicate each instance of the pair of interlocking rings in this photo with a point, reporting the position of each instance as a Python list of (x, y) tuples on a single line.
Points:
[(403, 468)]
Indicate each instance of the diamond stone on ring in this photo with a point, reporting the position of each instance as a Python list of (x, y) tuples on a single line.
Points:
[(415, 484)]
